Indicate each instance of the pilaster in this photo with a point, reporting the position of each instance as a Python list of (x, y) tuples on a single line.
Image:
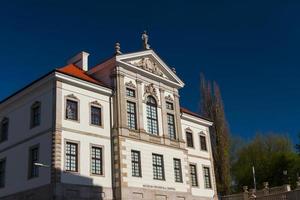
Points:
[(163, 113), (140, 115), (177, 117)]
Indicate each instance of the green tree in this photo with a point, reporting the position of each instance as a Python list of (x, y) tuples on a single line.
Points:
[(212, 108), (298, 145), (270, 154)]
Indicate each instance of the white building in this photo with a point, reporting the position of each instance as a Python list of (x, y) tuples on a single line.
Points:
[(115, 131)]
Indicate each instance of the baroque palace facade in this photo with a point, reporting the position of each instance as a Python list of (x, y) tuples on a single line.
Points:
[(115, 131)]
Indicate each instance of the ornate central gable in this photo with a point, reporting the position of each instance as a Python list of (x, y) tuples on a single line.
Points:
[(148, 64)]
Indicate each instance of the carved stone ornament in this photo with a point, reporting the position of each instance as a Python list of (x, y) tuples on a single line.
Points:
[(96, 103), (130, 84), (149, 89), (169, 98), (72, 96), (148, 65)]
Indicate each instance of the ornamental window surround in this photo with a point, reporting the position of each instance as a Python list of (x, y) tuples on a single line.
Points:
[(72, 108), (96, 114), (152, 117)]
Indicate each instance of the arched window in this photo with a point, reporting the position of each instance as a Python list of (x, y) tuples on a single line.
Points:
[(152, 115), (4, 129), (35, 114)]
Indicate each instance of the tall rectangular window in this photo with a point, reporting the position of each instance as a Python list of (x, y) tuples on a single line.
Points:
[(207, 180), (171, 126), (131, 115), (2, 172), (4, 129), (33, 158), (96, 160), (72, 110), (189, 139), (130, 92), (193, 174), (96, 116), (177, 170), (152, 119), (136, 163), (203, 143), (158, 167), (71, 157), (35, 114)]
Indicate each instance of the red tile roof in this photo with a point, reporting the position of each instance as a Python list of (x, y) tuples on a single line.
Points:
[(184, 110), (74, 71)]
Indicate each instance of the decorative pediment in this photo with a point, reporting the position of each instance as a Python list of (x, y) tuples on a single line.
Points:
[(150, 89), (96, 103), (130, 84), (149, 65), (169, 98), (72, 96)]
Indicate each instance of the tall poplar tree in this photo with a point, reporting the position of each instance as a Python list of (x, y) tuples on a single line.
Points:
[(212, 108)]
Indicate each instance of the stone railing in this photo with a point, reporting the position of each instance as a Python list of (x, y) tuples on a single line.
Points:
[(275, 193)]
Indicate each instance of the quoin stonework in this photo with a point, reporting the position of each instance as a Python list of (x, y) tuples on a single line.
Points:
[(112, 131)]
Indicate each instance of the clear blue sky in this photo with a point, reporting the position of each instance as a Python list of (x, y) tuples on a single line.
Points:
[(251, 48)]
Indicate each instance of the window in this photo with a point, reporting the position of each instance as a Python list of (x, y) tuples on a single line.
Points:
[(35, 118), (193, 173), (33, 158), (152, 116), (131, 115), (2, 172), (169, 105), (96, 116), (136, 163), (171, 126), (203, 143), (177, 170), (96, 160), (72, 110), (4, 129), (189, 139), (130, 92), (158, 167), (207, 180), (71, 157)]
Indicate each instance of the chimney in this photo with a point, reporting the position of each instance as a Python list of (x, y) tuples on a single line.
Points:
[(80, 60)]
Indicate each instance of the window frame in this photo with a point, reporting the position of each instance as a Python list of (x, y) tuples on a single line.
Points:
[(98, 106), (156, 166), (129, 114), (5, 120), (169, 103), (31, 162), (77, 156), (193, 174), (36, 105), (128, 91), (179, 170), (192, 139), (201, 136), (207, 176), (139, 163), (74, 99), (3, 172), (150, 105), (171, 125), (102, 160)]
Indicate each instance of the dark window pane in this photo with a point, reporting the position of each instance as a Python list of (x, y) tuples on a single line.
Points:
[(152, 122), (189, 139), (193, 173), (96, 116), (158, 167), (177, 170), (2, 172), (33, 158), (136, 163), (130, 92), (131, 115), (169, 106), (171, 126), (71, 162), (96, 159), (207, 180), (35, 114), (72, 110), (203, 143), (4, 129)]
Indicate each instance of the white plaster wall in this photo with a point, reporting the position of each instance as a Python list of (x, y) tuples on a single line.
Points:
[(146, 151), (85, 98), (16, 178)]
